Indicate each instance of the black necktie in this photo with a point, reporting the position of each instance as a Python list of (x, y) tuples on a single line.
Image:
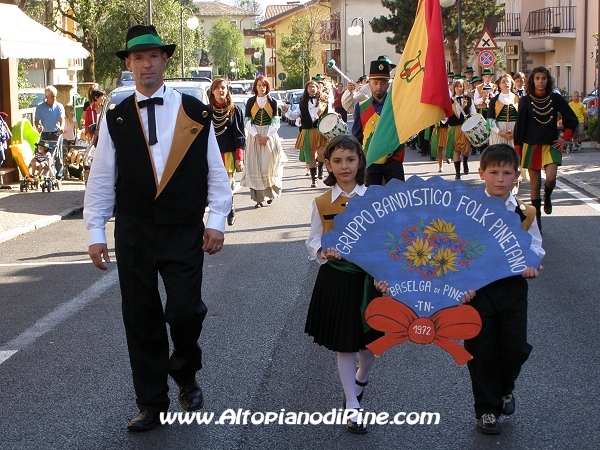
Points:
[(151, 116), (459, 98)]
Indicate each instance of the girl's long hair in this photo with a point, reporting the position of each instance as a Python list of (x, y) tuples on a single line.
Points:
[(212, 101), (303, 103)]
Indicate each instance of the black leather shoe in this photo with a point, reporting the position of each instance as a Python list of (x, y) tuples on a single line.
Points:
[(190, 397), (144, 421), (356, 428), (488, 424), (231, 216), (508, 404)]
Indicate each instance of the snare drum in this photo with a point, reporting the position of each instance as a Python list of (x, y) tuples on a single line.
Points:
[(476, 130), (330, 125)]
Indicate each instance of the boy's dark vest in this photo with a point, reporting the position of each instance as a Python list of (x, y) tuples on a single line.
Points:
[(328, 210), (182, 199)]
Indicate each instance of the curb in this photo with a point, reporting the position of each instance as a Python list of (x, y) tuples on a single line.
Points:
[(45, 221), (590, 190)]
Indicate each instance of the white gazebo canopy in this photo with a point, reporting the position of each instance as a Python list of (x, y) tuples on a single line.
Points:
[(23, 37)]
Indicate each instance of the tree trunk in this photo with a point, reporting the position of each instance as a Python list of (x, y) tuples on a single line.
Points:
[(452, 49), (89, 73)]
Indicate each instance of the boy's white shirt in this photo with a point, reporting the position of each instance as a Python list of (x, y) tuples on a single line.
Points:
[(536, 237)]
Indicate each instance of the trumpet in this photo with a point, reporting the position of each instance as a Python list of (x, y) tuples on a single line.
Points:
[(331, 65)]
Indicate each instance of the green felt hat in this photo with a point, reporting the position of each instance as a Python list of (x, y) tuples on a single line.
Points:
[(144, 37)]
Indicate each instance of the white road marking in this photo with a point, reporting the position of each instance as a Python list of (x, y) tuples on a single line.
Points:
[(4, 355), (578, 195), (49, 263), (58, 315)]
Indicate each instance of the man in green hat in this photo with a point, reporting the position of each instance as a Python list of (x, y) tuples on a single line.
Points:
[(158, 158)]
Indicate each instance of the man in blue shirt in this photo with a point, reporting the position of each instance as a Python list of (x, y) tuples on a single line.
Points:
[(50, 116)]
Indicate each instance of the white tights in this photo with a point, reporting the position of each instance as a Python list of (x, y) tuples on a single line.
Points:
[(348, 374)]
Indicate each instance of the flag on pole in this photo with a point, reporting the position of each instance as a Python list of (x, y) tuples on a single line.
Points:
[(419, 95)]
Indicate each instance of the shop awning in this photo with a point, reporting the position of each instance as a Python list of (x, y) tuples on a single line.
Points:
[(23, 37)]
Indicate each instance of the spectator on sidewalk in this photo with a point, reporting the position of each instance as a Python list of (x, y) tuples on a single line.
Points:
[(579, 109)]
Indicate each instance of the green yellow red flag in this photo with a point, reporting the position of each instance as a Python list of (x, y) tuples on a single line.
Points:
[(419, 94)]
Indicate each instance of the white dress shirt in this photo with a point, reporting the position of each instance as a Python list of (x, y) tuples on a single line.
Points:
[(313, 242), (100, 193)]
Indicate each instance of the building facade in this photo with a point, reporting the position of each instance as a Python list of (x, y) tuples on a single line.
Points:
[(556, 34)]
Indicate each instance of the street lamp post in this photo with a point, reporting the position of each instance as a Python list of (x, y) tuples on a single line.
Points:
[(274, 61), (192, 23), (446, 4), (354, 30)]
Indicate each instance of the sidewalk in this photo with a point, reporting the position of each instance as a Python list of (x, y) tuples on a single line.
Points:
[(21, 212)]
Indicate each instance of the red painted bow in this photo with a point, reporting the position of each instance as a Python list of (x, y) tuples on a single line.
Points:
[(401, 324)]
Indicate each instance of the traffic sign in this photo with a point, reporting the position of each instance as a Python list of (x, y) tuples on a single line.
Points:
[(282, 76), (486, 42), (486, 58)]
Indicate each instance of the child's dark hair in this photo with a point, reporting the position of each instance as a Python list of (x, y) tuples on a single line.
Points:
[(351, 143), (499, 154)]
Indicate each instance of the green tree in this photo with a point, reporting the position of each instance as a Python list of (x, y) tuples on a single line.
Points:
[(403, 12), (101, 27), (225, 45), (298, 50)]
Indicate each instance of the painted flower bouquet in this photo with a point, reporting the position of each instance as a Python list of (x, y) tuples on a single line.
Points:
[(432, 250)]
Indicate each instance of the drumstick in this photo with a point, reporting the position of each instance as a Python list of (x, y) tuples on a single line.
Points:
[(331, 65)]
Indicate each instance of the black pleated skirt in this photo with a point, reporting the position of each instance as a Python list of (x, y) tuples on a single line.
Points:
[(334, 317)]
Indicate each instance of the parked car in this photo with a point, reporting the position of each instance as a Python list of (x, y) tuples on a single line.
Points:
[(280, 97), (591, 99), (240, 100), (237, 89), (194, 88), (292, 99), (125, 79)]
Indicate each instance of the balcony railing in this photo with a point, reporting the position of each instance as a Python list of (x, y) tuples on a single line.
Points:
[(556, 20), (510, 26), (330, 30)]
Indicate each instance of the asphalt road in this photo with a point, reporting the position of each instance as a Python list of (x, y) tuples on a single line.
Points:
[(67, 382)]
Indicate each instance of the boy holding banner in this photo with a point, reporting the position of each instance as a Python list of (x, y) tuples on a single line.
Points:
[(501, 347)]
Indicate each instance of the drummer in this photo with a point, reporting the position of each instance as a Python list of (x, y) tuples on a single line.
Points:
[(463, 108), (311, 107), (366, 118)]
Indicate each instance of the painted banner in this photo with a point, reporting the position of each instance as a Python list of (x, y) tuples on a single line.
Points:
[(431, 240)]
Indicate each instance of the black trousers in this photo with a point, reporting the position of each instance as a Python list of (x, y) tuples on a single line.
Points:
[(501, 348), (144, 250), (379, 174)]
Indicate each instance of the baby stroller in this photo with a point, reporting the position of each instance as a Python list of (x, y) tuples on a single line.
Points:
[(46, 178)]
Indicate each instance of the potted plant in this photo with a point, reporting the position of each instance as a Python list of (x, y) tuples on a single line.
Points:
[(592, 130)]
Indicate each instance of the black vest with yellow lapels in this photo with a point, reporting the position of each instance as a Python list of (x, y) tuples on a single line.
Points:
[(180, 197)]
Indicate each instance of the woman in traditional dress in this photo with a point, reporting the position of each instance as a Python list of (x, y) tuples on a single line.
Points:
[(310, 108), (264, 153), (502, 113), (228, 122), (536, 135), (463, 108)]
